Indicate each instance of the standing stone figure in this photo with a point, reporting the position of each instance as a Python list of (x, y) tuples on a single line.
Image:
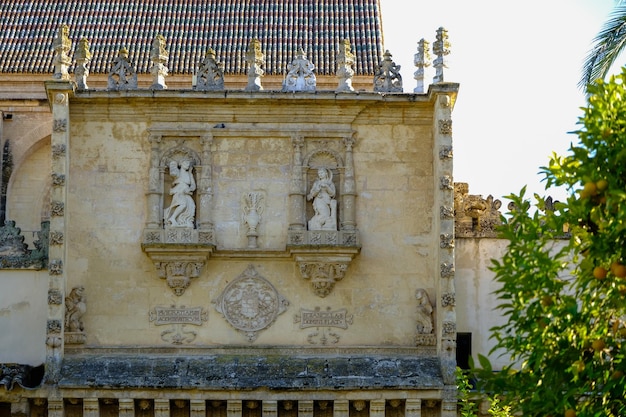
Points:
[(324, 204), (75, 307), (424, 312), (182, 210)]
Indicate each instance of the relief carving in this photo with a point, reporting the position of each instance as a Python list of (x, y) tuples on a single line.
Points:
[(445, 127), (56, 238), (445, 152), (58, 150), (55, 267), (59, 125), (425, 335), (250, 303), (57, 208), (323, 275), (178, 274), (446, 241), (252, 215), (424, 312), (54, 297), (178, 318), (447, 270), (75, 308), (58, 179), (323, 321)]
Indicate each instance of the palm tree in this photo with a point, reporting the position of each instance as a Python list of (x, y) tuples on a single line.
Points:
[(608, 45)]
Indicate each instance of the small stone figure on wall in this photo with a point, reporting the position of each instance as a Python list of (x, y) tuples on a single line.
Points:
[(182, 210), (324, 204), (424, 312), (75, 307)]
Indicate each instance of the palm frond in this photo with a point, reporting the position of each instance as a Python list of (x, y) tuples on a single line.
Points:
[(607, 46)]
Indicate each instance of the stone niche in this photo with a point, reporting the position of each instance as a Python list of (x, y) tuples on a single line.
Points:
[(321, 233), (323, 237), (178, 236)]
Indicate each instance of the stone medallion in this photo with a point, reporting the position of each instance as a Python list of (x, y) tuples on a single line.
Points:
[(250, 303)]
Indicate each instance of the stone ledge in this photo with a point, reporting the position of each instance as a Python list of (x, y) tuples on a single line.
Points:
[(249, 372)]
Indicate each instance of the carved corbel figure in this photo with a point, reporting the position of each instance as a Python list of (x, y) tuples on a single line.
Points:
[(323, 275)]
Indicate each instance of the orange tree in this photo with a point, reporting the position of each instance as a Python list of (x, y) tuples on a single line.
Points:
[(564, 300)]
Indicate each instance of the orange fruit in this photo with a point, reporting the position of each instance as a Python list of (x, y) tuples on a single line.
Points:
[(602, 185), (598, 345), (619, 271), (570, 412), (599, 272), (617, 374), (590, 188)]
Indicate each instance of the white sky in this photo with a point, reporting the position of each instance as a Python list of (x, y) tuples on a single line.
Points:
[(518, 64)]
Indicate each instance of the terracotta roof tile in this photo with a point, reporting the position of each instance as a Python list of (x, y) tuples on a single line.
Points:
[(190, 28)]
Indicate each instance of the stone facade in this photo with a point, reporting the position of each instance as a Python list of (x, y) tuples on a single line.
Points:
[(238, 252)]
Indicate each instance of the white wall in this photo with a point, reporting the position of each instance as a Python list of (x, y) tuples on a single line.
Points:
[(23, 314)]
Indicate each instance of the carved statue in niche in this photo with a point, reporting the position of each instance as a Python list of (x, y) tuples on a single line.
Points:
[(325, 206), (75, 307), (182, 210), (424, 312)]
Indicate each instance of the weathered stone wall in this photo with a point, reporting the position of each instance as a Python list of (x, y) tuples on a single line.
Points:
[(109, 158)]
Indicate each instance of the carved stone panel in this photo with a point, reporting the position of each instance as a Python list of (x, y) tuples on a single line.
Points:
[(178, 318), (250, 303), (323, 323)]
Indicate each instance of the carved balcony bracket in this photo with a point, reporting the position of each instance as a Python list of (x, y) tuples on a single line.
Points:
[(323, 268), (178, 263)]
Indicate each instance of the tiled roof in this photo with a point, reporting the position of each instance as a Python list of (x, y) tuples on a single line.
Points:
[(28, 28)]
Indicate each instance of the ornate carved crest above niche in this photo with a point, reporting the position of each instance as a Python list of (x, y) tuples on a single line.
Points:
[(178, 236), (322, 236)]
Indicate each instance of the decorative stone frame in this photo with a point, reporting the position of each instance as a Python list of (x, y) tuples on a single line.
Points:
[(179, 253), (323, 256)]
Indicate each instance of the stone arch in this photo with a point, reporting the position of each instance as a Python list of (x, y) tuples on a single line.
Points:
[(28, 189)]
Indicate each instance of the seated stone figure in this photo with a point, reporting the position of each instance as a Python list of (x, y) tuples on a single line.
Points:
[(325, 206)]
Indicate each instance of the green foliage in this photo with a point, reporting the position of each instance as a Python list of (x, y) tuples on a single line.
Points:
[(564, 298), (468, 408)]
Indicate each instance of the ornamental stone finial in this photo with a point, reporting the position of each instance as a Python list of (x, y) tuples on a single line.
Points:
[(254, 59), (210, 75), (123, 75), (159, 57), (387, 78), (300, 75), (441, 48), (421, 61), (83, 56), (345, 61), (62, 45)]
